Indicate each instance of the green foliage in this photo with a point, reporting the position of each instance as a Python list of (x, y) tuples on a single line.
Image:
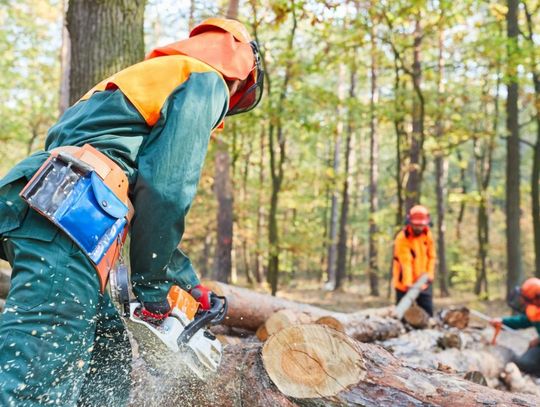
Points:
[(30, 35), (329, 36)]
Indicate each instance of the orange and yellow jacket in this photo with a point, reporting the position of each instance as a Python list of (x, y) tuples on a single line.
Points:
[(413, 256)]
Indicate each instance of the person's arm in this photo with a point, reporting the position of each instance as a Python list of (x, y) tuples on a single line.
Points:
[(519, 321), (431, 256), (169, 167), (404, 256)]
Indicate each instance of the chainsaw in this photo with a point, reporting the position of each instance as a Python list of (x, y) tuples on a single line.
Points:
[(181, 337)]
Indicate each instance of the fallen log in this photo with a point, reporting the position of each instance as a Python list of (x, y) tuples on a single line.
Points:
[(306, 358), (460, 351), (249, 310)]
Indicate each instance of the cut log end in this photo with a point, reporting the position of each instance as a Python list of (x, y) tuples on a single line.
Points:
[(416, 317), (456, 317), (308, 361)]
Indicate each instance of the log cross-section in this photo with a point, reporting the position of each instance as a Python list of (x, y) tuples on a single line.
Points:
[(309, 361)]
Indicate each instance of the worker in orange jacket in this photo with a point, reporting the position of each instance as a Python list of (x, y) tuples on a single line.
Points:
[(525, 300), (414, 255)]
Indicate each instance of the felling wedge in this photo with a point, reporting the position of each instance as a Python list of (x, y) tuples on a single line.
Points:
[(181, 337)]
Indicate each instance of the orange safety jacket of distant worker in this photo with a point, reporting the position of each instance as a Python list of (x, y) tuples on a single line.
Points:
[(413, 256)]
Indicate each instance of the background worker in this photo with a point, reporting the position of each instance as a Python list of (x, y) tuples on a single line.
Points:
[(526, 299), (61, 340), (414, 255)]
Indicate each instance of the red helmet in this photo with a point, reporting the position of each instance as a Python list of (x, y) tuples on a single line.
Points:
[(419, 216), (226, 46), (530, 290)]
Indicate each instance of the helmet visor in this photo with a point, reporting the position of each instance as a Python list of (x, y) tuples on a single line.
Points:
[(252, 96)]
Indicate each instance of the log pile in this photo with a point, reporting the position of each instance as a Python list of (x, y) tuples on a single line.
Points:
[(266, 315), (314, 365), (311, 356)]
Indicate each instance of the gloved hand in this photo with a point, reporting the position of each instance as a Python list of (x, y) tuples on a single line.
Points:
[(153, 312), (202, 295), (496, 323)]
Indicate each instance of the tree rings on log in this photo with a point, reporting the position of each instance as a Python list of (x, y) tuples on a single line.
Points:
[(310, 361)]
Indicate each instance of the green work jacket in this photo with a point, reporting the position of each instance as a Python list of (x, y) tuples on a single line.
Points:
[(159, 135)]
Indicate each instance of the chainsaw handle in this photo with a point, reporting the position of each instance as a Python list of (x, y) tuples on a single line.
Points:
[(219, 308), (213, 316)]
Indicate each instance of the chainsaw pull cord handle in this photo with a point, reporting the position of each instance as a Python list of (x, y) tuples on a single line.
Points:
[(213, 316), (496, 332)]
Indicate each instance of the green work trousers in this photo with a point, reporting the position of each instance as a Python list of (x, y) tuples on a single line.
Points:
[(61, 341)]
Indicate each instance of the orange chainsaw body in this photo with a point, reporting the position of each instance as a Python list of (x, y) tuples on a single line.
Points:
[(183, 301)]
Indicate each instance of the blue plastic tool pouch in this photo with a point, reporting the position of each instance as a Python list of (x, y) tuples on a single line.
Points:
[(72, 195)]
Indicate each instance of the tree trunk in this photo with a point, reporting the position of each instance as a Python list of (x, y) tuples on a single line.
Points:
[(223, 191), (65, 62), (535, 176), (463, 182), (232, 11), (332, 230), (513, 233), (259, 267), (400, 135), (414, 181), (224, 195), (341, 267), (106, 36), (373, 258), (441, 171), (277, 162)]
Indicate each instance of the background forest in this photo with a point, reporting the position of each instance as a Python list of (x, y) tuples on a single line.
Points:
[(369, 107)]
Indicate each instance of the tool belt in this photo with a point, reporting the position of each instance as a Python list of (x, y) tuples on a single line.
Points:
[(85, 194)]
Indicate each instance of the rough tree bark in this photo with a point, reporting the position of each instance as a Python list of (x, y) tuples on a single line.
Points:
[(513, 233), (106, 36)]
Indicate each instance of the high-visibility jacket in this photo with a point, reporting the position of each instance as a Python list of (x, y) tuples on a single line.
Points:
[(154, 119), (413, 256)]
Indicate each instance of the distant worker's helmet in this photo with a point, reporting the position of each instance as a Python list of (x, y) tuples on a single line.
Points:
[(419, 216), (530, 291), (250, 95)]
